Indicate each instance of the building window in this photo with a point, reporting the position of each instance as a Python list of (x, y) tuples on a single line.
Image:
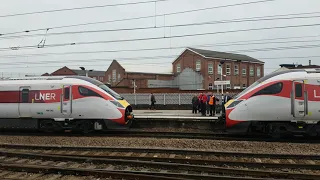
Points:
[(119, 77), (228, 69), (198, 65), (236, 69), (228, 86), (258, 72), (178, 68), (219, 68), (109, 78), (101, 79), (251, 71), (210, 86), (114, 75), (244, 86), (210, 68), (244, 71)]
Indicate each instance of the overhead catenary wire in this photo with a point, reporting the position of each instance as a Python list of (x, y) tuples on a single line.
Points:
[(169, 56), (161, 37), (80, 8), (231, 43), (152, 57), (236, 20), (142, 17)]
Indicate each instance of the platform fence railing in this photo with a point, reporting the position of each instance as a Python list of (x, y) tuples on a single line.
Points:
[(163, 98)]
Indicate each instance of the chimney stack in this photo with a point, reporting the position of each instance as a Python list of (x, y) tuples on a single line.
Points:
[(309, 62)]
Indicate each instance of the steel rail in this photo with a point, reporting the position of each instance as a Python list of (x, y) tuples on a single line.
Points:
[(159, 150), (176, 166), (167, 134)]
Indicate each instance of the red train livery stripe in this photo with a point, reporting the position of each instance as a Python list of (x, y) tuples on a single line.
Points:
[(312, 90), (230, 122), (46, 96)]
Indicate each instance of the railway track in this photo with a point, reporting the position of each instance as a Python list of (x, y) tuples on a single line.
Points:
[(143, 163), (218, 135)]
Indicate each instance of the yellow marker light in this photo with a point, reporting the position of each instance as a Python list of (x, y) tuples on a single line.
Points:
[(228, 103), (124, 103)]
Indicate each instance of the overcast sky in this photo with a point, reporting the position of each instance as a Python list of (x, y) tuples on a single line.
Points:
[(16, 61)]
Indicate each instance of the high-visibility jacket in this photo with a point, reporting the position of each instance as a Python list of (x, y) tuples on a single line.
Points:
[(211, 101)]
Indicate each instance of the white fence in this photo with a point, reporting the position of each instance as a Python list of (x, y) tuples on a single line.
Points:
[(162, 98)]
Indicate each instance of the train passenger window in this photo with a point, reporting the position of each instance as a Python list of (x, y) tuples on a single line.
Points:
[(272, 89), (298, 89), (87, 92), (66, 93), (25, 95)]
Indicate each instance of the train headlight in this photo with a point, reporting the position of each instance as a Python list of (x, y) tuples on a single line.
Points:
[(234, 103), (116, 103)]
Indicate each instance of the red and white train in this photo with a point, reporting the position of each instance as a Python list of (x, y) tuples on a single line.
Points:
[(283, 102), (62, 103)]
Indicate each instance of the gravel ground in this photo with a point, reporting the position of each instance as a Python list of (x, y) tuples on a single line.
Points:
[(217, 145), (170, 129)]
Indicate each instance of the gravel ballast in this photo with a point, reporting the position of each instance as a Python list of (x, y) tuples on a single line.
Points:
[(215, 145)]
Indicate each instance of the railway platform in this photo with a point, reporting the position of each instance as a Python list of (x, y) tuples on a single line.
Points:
[(173, 118), (172, 114)]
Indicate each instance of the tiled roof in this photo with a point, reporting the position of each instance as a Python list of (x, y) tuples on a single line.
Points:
[(90, 73), (224, 55)]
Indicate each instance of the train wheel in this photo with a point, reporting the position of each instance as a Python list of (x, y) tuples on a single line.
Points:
[(47, 126), (85, 127)]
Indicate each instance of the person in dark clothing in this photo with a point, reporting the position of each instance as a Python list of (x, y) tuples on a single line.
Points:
[(195, 104), (225, 99), (153, 100), (200, 104), (207, 103)]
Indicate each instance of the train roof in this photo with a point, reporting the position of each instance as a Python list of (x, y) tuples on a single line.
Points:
[(91, 80), (51, 79)]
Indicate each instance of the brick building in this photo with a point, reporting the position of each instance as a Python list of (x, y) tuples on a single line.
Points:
[(202, 65), (241, 70), (117, 76), (65, 71)]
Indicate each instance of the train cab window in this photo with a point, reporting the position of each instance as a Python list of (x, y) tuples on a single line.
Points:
[(272, 89), (66, 93), (25, 95), (298, 90), (87, 92)]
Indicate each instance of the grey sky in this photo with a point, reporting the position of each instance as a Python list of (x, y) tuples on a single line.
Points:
[(26, 22)]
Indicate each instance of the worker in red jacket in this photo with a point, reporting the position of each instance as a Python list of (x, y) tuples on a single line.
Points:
[(203, 101)]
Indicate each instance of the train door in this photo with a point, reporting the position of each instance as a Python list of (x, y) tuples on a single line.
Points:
[(66, 100), (298, 99), (24, 103)]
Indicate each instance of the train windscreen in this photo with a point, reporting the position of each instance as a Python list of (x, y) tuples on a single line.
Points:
[(100, 85), (110, 91), (265, 78)]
